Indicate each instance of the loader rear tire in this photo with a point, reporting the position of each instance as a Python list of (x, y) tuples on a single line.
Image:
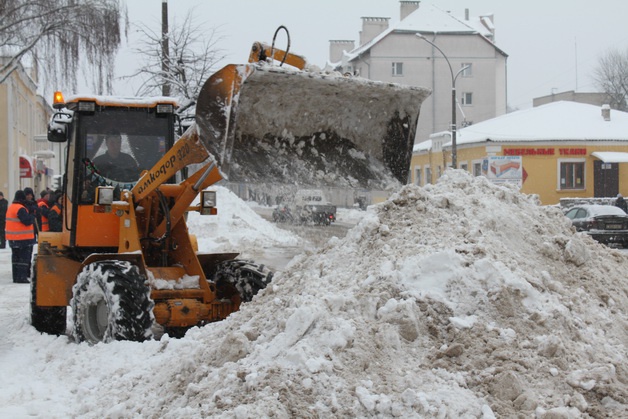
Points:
[(50, 320), (111, 302), (245, 276)]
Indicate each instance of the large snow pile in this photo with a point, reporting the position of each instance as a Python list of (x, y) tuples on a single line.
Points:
[(236, 226), (464, 299), (460, 300)]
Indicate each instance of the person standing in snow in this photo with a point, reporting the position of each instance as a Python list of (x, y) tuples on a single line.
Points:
[(55, 215), (33, 210), (43, 209), (4, 204), (20, 233), (31, 204), (620, 202)]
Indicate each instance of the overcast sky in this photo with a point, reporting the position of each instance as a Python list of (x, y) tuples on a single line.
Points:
[(553, 45)]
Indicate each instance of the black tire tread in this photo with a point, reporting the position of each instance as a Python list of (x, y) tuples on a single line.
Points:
[(134, 319)]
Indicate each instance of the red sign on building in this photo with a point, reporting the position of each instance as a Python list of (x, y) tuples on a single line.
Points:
[(26, 168)]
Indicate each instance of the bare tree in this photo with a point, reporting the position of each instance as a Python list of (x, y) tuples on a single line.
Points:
[(611, 76), (193, 53), (58, 35)]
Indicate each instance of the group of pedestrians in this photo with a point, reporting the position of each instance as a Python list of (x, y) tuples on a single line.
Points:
[(22, 220)]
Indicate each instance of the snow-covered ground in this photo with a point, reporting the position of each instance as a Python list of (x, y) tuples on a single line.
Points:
[(457, 300)]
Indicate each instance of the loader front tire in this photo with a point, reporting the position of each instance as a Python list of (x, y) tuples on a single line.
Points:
[(50, 320), (111, 302)]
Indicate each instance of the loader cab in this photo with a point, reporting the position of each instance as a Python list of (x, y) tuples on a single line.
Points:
[(110, 142)]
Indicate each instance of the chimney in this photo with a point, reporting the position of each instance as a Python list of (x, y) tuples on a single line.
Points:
[(466, 14), (371, 27), (407, 7), (337, 47), (606, 112), (489, 23)]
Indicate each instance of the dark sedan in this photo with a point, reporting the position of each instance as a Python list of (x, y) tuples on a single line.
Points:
[(605, 223)]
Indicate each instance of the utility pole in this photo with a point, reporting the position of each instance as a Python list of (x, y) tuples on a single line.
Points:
[(165, 51)]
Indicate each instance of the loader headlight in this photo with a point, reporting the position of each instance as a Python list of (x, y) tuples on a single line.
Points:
[(165, 108), (208, 203), (84, 106)]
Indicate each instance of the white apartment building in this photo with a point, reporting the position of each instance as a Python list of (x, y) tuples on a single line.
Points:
[(394, 53)]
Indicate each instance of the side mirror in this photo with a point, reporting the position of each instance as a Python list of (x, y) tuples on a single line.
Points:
[(58, 127)]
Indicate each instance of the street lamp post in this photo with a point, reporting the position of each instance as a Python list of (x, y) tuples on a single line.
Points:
[(454, 148)]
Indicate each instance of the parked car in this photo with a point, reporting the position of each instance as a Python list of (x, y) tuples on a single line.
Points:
[(309, 206), (607, 224)]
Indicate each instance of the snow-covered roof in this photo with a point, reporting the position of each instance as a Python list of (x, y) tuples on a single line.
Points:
[(556, 121), (424, 146), (427, 145), (430, 19)]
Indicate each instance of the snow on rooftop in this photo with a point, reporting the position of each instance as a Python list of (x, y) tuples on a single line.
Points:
[(422, 146), (427, 18), (568, 121), (432, 19)]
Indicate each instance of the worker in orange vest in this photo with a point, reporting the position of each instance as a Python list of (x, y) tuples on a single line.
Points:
[(44, 208), (20, 234), (4, 205)]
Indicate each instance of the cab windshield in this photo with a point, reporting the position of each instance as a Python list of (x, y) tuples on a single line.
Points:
[(118, 144)]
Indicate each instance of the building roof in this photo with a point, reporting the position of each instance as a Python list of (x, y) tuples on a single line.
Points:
[(431, 19), (423, 146), (556, 121), (428, 19)]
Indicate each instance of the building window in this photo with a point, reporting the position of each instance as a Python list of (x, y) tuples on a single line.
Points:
[(428, 175), (468, 71), (417, 176), (571, 175), (477, 169), (467, 99), (397, 69)]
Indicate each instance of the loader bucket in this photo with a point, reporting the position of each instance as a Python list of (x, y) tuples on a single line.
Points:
[(274, 125)]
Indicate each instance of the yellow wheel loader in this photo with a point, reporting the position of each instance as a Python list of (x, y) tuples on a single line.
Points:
[(125, 261)]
